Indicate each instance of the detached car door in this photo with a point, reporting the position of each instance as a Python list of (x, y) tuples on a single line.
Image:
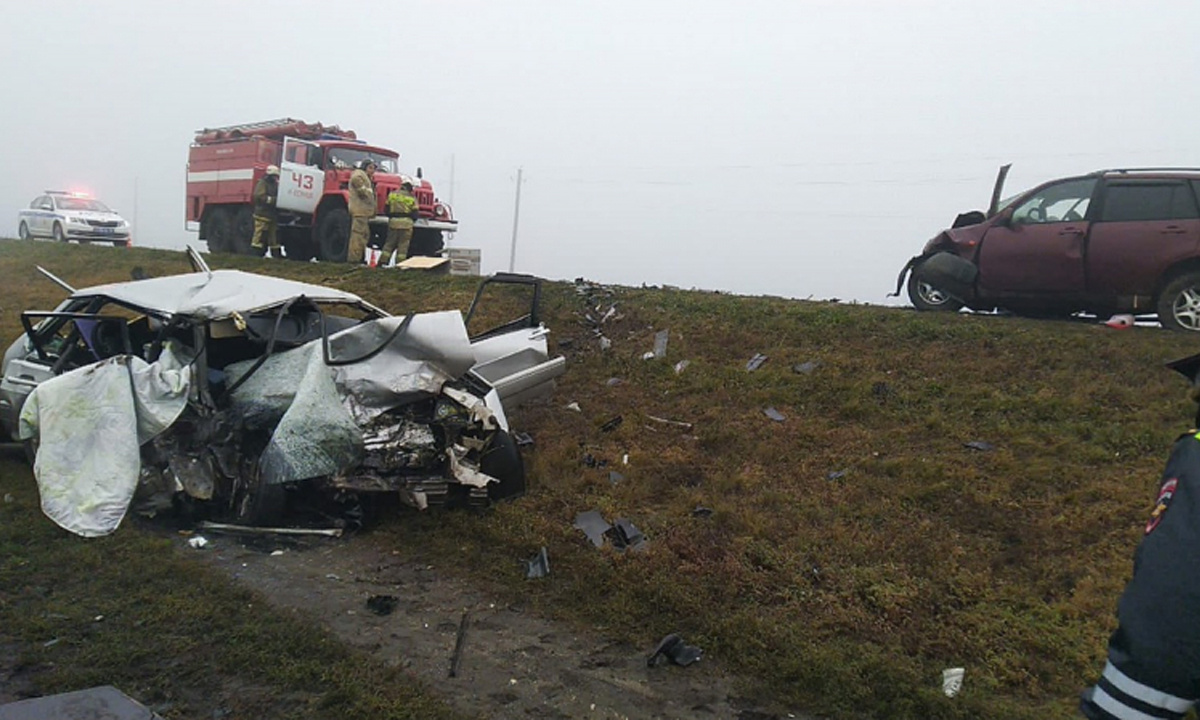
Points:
[(1038, 249), (1144, 227)]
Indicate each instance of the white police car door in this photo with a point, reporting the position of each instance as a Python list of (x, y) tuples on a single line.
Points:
[(40, 220), (301, 179)]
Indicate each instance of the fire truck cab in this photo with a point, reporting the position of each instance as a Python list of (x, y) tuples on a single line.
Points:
[(315, 163)]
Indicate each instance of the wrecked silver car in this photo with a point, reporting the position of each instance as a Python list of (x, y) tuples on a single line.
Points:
[(231, 395)]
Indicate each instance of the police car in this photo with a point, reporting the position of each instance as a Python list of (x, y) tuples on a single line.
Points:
[(72, 216)]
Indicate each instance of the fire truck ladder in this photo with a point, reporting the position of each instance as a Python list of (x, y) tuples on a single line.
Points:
[(250, 127)]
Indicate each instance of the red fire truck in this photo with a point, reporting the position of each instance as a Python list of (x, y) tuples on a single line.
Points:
[(315, 163)]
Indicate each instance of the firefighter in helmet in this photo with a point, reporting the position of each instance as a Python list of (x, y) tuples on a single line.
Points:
[(1153, 668), (362, 209), (401, 211), (266, 219)]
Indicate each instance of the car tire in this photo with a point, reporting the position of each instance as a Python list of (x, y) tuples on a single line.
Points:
[(926, 297), (259, 503), (58, 233), (1179, 303), (502, 460), (333, 235), (426, 242), (218, 231), (23, 231), (241, 232)]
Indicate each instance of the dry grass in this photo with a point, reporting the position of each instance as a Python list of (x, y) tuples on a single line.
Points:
[(841, 595)]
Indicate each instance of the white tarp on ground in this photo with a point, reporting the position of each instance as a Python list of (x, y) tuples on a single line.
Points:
[(90, 424)]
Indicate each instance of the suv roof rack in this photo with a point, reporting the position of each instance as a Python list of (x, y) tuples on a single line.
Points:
[(1122, 171)]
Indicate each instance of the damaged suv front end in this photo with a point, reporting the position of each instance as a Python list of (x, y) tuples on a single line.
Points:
[(237, 395)]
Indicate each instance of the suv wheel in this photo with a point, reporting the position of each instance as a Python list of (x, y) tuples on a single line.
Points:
[(58, 233), (926, 297), (23, 231), (1179, 303)]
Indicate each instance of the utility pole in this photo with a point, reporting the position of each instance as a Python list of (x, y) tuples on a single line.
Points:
[(512, 255)]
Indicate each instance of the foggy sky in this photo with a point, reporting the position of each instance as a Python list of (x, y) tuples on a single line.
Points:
[(775, 147)]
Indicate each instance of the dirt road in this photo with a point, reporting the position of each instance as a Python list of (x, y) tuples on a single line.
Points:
[(512, 665)]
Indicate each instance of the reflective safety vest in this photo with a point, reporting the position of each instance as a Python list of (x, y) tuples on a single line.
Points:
[(401, 209)]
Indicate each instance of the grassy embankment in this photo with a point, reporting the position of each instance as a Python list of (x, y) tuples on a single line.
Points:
[(854, 550)]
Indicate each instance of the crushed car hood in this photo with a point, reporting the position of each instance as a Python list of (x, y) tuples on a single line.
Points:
[(215, 295)]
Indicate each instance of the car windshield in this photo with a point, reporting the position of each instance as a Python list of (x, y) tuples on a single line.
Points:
[(74, 203), (343, 158)]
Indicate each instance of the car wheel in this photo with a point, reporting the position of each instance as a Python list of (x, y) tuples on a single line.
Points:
[(425, 242), (1179, 303), (502, 460), (58, 233), (333, 235), (23, 231), (257, 502), (218, 231), (241, 231), (926, 297)]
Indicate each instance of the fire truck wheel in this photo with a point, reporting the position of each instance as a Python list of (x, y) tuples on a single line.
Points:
[(58, 233), (241, 232), (218, 231), (298, 243), (333, 235), (426, 242)]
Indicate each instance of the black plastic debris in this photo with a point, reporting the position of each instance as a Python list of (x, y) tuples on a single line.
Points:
[(612, 424), (806, 368), (702, 512), (836, 475), (593, 524), (674, 649), (590, 460), (660, 343), (756, 362), (882, 391), (624, 535), (566, 342), (538, 566), (979, 445), (615, 477), (523, 439), (382, 604), (774, 414)]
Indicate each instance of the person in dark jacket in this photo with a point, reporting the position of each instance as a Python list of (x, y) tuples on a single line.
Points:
[(266, 220), (1153, 668)]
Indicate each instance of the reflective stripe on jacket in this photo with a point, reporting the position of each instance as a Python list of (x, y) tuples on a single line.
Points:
[(1153, 668)]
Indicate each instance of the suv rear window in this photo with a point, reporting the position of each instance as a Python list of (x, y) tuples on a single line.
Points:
[(1128, 202)]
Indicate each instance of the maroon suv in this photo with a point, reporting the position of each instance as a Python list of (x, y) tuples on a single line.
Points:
[(1107, 242)]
